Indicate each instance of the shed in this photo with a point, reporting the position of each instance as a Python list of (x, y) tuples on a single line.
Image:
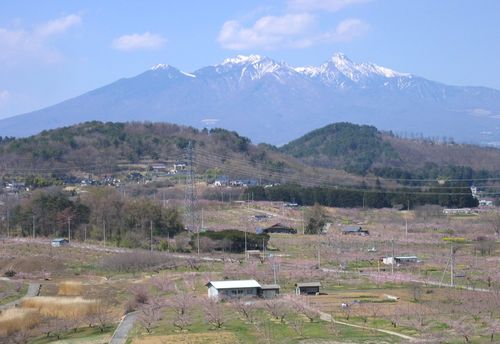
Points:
[(400, 260), (355, 230), (280, 228), (59, 242), (269, 291), (307, 288), (233, 289)]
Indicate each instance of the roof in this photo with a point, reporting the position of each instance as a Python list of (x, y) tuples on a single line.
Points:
[(234, 284), (308, 284), (269, 286), (352, 229)]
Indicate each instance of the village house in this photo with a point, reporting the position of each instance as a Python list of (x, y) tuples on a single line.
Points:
[(179, 167), (241, 288), (458, 211), (233, 289), (355, 230), (400, 260), (222, 181), (307, 288), (279, 228), (269, 291), (59, 242)]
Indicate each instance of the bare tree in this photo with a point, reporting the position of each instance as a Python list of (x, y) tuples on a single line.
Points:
[(464, 328), (150, 313), (297, 325), (163, 283), (277, 308), (300, 305), (181, 304), (214, 313), (102, 317), (246, 308)]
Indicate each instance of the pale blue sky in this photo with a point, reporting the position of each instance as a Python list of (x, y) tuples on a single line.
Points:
[(54, 50)]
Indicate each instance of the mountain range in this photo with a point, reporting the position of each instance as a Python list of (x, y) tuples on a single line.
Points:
[(271, 101)]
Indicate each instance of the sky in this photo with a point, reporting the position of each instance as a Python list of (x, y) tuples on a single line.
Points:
[(53, 50)]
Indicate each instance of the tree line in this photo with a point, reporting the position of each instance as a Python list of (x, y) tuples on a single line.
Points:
[(450, 195), (100, 213)]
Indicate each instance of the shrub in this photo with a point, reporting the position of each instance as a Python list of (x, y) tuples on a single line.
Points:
[(61, 307), (10, 273), (15, 319), (70, 288)]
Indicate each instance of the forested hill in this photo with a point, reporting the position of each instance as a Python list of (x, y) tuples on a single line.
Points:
[(109, 148), (339, 153), (109, 144), (362, 149)]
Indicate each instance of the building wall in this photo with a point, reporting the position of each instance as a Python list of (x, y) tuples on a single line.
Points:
[(212, 292)]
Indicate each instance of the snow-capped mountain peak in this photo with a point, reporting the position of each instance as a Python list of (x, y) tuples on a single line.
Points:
[(166, 67), (242, 59), (161, 66)]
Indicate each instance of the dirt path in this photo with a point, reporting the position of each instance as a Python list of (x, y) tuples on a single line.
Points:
[(123, 329), (33, 290), (327, 317)]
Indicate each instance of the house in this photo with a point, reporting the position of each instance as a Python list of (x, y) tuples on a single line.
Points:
[(485, 203), (159, 167), (279, 228), (59, 242), (355, 230), (307, 288), (269, 291), (400, 260), (260, 217), (222, 181), (233, 289), (179, 167), (458, 211)]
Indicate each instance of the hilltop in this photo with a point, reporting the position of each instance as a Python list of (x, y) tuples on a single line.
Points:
[(111, 148), (362, 149)]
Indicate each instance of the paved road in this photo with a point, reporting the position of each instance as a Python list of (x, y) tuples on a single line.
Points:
[(33, 290), (124, 327)]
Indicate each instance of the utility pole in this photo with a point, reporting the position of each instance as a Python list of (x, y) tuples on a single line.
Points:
[(69, 229), (303, 222), (319, 257), (393, 258), (104, 231), (452, 262), (151, 234), (190, 196), (245, 243), (406, 219)]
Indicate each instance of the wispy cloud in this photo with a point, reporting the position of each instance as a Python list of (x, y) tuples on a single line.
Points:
[(268, 32), (58, 26), (322, 5), (4, 97), (347, 30), (288, 31), (135, 41), (21, 44)]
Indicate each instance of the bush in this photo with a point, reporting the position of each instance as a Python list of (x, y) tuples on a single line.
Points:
[(233, 240), (10, 273)]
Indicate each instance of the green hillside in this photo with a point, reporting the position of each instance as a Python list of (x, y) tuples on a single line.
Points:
[(363, 150)]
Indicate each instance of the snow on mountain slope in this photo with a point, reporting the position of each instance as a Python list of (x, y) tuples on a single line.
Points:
[(271, 101)]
